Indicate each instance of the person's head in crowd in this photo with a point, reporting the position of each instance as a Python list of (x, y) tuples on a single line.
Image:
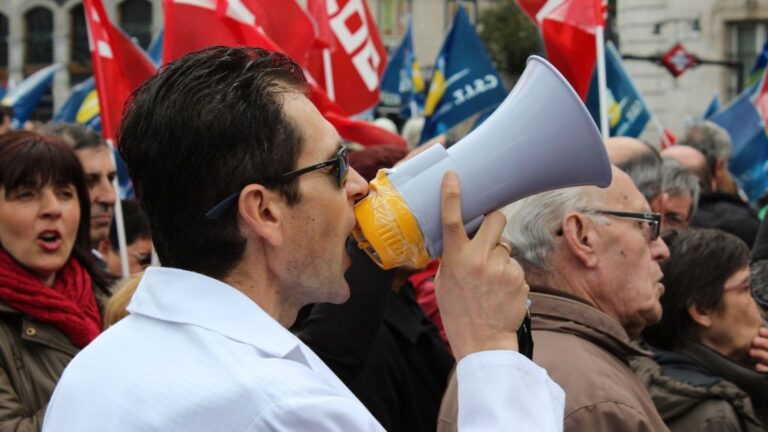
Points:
[(412, 131), (44, 205), (96, 158), (116, 308), (681, 187), (759, 267), (707, 297), (6, 116), (601, 245), (715, 143), (386, 124), (252, 203), (643, 165), (137, 237), (695, 161), (368, 161)]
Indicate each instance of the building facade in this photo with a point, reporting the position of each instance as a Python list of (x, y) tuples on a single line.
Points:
[(37, 33), (727, 32)]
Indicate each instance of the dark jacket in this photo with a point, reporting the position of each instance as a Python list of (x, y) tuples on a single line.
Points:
[(382, 346), (728, 213), (33, 356), (692, 390)]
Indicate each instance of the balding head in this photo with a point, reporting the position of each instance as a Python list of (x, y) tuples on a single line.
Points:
[(694, 160), (622, 149)]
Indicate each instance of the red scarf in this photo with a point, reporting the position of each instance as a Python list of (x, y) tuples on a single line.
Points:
[(69, 305)]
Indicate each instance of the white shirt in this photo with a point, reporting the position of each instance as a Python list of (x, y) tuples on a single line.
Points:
[(198, 355)]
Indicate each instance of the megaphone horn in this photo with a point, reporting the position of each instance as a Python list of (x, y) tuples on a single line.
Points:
[(540, 138)]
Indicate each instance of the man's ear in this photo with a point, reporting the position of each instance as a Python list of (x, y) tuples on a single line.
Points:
[(579, 236), (261, 210), (700, 316), (104, 247)]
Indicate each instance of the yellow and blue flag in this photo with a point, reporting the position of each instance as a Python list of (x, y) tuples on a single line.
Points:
[(628, 114), (82, 106), (759, 68), (402, 85), (25, 97), (464, 81)]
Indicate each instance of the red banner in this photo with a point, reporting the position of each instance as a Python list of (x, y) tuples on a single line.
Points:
[(351, 73), (194, 25), (118, 65)]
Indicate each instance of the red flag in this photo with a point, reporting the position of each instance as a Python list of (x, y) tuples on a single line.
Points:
[(318, 12), (568, 30), (118, 65), (205, 24), (531, 8), (358, 60)]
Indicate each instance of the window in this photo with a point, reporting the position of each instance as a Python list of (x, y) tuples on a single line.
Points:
[(747, 39), (3, 49), (393, 19), (38, 49), (80, 59), (136, 20)]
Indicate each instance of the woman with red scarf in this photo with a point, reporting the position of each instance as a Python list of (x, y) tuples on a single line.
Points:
[(50, 288)]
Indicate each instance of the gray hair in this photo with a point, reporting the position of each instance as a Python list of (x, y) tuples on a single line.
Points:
[(533, 222), (77, 136), (645, 172), (679, 180), (710, 139)]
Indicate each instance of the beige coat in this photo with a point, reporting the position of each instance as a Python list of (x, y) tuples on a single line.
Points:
[(587, 353)]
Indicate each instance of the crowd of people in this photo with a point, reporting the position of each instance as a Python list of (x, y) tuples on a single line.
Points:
[(639, 306)]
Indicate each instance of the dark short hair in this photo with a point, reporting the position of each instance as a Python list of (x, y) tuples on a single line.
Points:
[(645, 171), (203, 127), (78, 136), (6, 110), (700, 261), (135, 222), (31, 159)]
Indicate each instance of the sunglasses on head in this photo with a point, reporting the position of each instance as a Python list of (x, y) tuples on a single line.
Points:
[(339, 168)]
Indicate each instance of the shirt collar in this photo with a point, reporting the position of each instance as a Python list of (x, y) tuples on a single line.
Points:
[(185, 297)]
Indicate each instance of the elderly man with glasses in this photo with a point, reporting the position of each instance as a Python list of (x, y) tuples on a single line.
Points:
[(591, 257)]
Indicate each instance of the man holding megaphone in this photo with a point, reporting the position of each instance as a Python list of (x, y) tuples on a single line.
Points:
[(250, 201)]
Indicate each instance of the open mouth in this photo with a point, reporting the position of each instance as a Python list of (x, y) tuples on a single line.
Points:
[(49, 240)]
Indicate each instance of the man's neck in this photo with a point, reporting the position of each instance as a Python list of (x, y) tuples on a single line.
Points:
[(262, 290)]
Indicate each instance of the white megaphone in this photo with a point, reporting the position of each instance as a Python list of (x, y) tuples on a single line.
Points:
[(540, 138)]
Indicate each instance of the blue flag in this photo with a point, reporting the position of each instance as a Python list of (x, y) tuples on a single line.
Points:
[(464, 81), (757, 70), (713, 107), (749, 157), (68, 111), (402, 86), (25, 97), (155, 50), (628, 114)]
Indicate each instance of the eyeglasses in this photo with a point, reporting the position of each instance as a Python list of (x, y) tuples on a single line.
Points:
[(340, 169), (653, 220)]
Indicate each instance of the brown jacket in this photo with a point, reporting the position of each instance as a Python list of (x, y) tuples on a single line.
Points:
[(587, 353), (33, 356)]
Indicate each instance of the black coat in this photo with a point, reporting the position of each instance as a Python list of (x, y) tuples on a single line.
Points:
[(728, 213)]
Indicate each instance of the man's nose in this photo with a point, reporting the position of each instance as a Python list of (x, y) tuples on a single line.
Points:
[(105, 192), (659, 250), (356, 186)]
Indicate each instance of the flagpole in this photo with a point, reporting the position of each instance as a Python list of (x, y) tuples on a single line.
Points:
[(328, 69), (122, 243), (602, 83)]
